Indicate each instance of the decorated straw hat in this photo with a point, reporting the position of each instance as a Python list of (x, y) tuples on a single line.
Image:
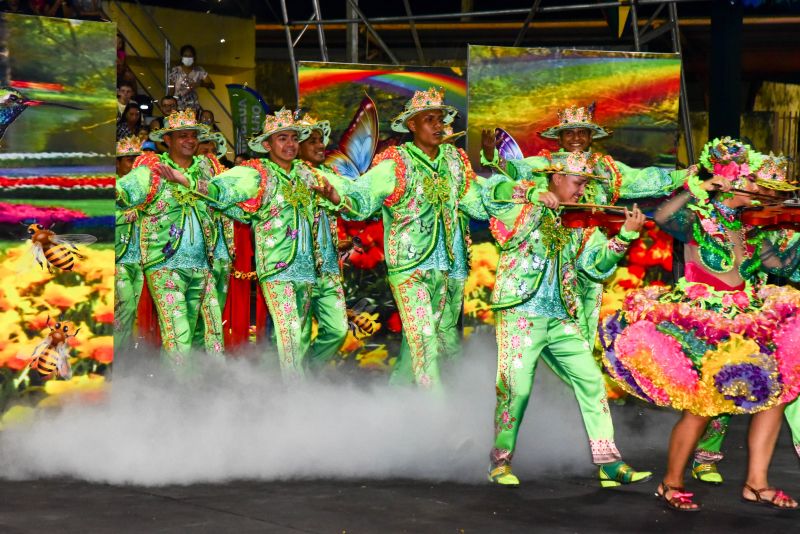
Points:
[(772, 174), (177, 121), (575, 164), (285, 119), (129, 146), (310, 124), (431, 99), (574, 117), (730, 158), (219, 141)]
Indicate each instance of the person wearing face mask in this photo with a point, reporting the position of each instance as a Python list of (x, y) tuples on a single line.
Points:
[(184, 79)]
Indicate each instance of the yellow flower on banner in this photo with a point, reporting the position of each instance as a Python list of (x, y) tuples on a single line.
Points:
[(98, 265), (65, 297), (86, 386), (104, 310), (351, 343), (484, 255), (374, 359), (15, 415), (8, 298), (98, 348)]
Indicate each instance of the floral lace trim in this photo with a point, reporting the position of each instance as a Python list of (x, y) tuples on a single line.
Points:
[(216, 166), (469, 173), (707, 457), (604, 451), (252, 205), (617, 245), (500, 457), (150, 161), (501, 232), (399, 173), (617, 184)]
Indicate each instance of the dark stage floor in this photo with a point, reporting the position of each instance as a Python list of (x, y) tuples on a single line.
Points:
[(575, 504)]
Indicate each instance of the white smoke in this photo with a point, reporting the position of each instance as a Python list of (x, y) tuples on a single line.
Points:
[(244, 424)]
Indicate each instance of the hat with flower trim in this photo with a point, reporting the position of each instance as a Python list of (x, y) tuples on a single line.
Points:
[(574, 117), (282, 120), (219, 141), (129, 146), (310, 123), (731, 159), (432, 99), (177, 121), (575, 164), (773, 174)]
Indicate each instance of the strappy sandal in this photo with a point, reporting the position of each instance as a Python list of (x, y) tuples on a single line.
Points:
[(773, 502), (679, 497)]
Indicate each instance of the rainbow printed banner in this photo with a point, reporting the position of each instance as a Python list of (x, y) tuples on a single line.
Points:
[(521, 89), (333, 91)]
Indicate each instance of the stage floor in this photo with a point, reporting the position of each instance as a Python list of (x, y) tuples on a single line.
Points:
[(575, 504)]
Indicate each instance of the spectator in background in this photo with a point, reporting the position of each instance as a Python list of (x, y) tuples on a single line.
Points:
[(88, 10), (16, 6), (185, 78), (168, 104), (130, 122), (207, 118), (241, 158), (125, 92), (155, 124), (51, 8)]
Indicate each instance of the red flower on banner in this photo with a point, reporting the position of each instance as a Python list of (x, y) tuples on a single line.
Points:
[(394, 324), (367, 242)]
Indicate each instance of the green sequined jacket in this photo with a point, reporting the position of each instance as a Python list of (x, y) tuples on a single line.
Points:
[(419, 198), (530, 237), (274, 202), (164, 207)]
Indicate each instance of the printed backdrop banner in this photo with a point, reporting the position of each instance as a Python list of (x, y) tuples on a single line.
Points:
[(333, 91), (57, 170), (248, 110), (520, 90)]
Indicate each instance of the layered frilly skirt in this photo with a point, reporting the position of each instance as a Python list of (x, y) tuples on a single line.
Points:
[(706, 351)]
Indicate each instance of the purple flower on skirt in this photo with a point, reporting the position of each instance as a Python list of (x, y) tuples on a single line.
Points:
[(759, 386)]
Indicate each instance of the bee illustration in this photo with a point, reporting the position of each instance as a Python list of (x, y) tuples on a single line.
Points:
[(51, 356), (57, 250), (361, 321)]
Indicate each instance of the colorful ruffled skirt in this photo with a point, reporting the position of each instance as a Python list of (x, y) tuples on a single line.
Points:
[(710, 352)]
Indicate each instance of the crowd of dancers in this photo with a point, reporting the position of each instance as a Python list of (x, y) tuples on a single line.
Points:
[(716, 344)]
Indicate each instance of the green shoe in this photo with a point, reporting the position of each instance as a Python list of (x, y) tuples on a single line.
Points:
[(619, 473), (706, 472), (503, 476)]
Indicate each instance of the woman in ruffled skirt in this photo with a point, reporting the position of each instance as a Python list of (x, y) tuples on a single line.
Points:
[(720, 341)]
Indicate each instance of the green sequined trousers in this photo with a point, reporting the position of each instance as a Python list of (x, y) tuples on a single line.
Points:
[(128, 282), (421, 299), (289, 305), (220, 272), (329, 308), (709, 450), (521, 338), (179, 296)]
